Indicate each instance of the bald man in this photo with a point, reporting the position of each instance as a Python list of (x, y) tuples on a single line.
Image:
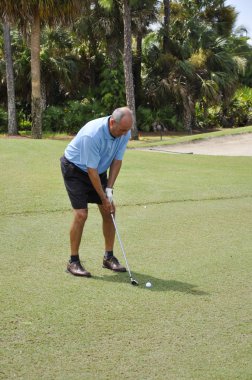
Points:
[(98, 147)]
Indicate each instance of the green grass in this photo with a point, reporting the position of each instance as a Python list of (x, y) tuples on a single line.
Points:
[(186, 225)]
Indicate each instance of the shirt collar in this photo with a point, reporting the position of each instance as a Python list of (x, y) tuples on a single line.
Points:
[(108, 135)]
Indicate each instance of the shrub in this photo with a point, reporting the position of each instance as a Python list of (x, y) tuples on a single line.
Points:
[(239, 111), (53, 119), (237, 114), (69, 118), (3, 121), (167, 118), (24, 117), (145, 118), (210, 119), (112, 87)]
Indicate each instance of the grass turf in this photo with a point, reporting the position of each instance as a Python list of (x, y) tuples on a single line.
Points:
[(186, 225)]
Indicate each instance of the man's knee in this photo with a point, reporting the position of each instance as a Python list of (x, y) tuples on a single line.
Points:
[(81, 215), (106, 215)]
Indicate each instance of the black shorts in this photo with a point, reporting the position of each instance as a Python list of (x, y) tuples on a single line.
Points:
[(79, 187)]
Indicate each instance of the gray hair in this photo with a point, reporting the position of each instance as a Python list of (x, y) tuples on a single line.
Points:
[(119, 113)]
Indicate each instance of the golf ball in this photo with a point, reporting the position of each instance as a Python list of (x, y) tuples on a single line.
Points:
[(148, 284)]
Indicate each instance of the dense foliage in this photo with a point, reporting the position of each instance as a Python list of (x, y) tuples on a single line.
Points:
[(191, 69)]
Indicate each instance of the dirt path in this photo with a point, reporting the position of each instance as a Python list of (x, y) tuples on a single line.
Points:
[(234, 145)]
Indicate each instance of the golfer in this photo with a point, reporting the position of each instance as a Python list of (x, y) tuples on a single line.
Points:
[(98, 147)]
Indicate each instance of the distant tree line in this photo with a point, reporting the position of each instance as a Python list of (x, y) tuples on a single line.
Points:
[(179, 65)]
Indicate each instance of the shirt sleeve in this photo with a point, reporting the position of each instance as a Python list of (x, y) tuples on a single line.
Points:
[(89, 152), (120, 153)]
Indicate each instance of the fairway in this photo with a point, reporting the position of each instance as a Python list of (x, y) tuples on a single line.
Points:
[(186, 224)]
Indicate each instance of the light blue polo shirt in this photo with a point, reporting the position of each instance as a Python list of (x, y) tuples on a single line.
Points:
[(94, 147)]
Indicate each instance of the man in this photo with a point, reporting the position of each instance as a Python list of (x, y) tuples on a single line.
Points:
[(98, 146)]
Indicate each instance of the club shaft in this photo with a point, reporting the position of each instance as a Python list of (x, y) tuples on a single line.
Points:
[(121, 244)]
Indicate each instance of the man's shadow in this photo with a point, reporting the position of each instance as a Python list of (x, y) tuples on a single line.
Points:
[(158, 285)]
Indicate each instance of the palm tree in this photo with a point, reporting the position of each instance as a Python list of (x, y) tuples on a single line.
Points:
[(127, 61), (107, 25), (30, 14), (144, 15), (12, 117), (167, 11), (100, 33), (199, 66), (60, 65)]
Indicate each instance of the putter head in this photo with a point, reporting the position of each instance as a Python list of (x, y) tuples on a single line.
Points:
[(134, 282)]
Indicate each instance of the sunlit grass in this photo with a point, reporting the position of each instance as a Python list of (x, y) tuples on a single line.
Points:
[(186, 225)]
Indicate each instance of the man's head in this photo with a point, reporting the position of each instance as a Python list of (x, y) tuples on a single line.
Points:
[(121, 121)]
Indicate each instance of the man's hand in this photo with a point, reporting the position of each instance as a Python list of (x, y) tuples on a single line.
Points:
[(96, 182), (109, 194), (108, 207)]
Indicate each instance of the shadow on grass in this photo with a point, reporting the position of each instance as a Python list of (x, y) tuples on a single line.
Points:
[(158, 284)]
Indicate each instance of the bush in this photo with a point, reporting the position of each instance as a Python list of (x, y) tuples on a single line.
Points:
[(237, 114), (167, 118), (163, 118), (69, 118), (112, 87), (53, 119), (3, 121), (24, 117), (25, 125), (145, 118), (209, 119)]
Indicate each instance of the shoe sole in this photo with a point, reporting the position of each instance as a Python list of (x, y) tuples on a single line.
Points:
[(78, 275), (115, 270)]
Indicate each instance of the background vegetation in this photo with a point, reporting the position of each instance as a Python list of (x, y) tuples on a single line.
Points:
[(192, 70)]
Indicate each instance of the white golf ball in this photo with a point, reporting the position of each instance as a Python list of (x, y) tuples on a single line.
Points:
[(148, 284)]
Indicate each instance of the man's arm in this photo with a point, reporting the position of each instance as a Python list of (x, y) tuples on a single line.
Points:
[(96, 182), (113, 172)]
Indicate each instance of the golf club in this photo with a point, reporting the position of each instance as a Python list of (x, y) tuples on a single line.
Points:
[(133, 282)]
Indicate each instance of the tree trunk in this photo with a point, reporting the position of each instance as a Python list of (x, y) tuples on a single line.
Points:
[(187, 116), (127, 63), (12, 116), (138, 70), (43, 94), (167, 11), (35, 78)]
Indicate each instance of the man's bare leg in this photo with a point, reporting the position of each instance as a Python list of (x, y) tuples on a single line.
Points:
[(74, 266), (109, 261), (108, 229), (76, 230)]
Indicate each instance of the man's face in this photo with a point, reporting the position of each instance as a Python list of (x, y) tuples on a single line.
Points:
[(121, 128)]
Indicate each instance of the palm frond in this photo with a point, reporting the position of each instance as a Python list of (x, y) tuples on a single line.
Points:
[(240, 63)]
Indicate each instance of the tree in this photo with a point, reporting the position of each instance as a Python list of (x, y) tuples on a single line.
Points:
[(12, 118), (167, 11), (100, 31), (60, 66), (127, 61), (30, 14), (143, 15), (198, 66)]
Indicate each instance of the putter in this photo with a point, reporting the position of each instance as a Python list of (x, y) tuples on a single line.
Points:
[(133, 282)]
